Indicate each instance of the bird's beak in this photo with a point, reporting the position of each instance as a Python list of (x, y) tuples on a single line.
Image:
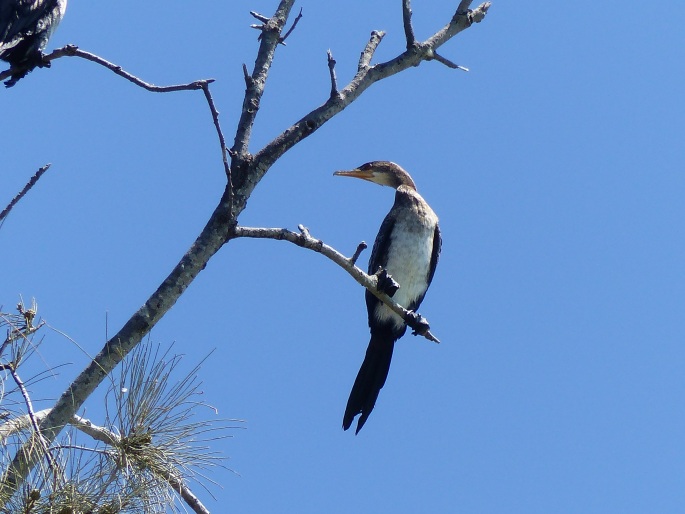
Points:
[(356, 173)]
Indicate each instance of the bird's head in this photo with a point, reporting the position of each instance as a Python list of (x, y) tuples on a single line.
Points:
[(384, 173)]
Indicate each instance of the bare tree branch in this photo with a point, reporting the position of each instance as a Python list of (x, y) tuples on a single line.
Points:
[(331, 70), (447, 62), (260, 17), (370, 282), (367, 54), (32, 182), (255, 88), (360, 248), (406, 18), (222, 140), (365, 77), (74, 51), (290, 30)]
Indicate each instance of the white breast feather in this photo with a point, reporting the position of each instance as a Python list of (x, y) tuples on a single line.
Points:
[(410, 252)]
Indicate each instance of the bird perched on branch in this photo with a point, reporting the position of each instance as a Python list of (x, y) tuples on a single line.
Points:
[(25, 27), (407, 247)]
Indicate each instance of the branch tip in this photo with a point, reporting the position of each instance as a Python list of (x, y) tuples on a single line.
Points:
[(436, 56), (222, 140), (408, 28), (32, 182), (258, 16), (331, 70), (290, 30), (370, 49), (360, 248)]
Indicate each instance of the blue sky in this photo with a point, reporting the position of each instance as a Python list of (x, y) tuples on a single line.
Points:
[(555, 166)]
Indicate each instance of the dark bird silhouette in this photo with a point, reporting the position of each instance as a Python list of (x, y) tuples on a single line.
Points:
[(407, 247), (25, 27)]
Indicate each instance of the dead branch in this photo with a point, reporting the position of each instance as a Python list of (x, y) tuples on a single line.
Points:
[(370, 282), (365, 77), (408, 28), (290, 30), (32, 182), (74, 51), (220, 134), (331, 70)]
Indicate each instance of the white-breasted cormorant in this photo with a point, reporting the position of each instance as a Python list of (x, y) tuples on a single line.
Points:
[(407, 247)]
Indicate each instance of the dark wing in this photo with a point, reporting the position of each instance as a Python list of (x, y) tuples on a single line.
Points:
[(379, 253), (8, 13), (379, 257), (20, 17), (437, 246)]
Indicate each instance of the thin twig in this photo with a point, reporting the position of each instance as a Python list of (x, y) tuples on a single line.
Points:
[(26, 189), (222, 140), (290, 30), (260, 17), (447, 62), (246, 76), (408, 29), (32, 416), (186, 493), (331, 69), (369, 50), (74, 51), (360, 248), (370, 282)]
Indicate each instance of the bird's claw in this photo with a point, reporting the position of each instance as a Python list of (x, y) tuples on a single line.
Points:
[(385, 283), (418, 323)]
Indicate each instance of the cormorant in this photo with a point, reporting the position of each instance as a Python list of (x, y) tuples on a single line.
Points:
[(407, 247), (25, 27)]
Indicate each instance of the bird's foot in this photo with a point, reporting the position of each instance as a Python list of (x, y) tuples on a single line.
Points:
[(42, 62), (418, 323), (385, 283), (16, 76), (26, 66)]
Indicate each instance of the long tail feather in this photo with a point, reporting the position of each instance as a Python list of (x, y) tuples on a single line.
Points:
[(370, 380)]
